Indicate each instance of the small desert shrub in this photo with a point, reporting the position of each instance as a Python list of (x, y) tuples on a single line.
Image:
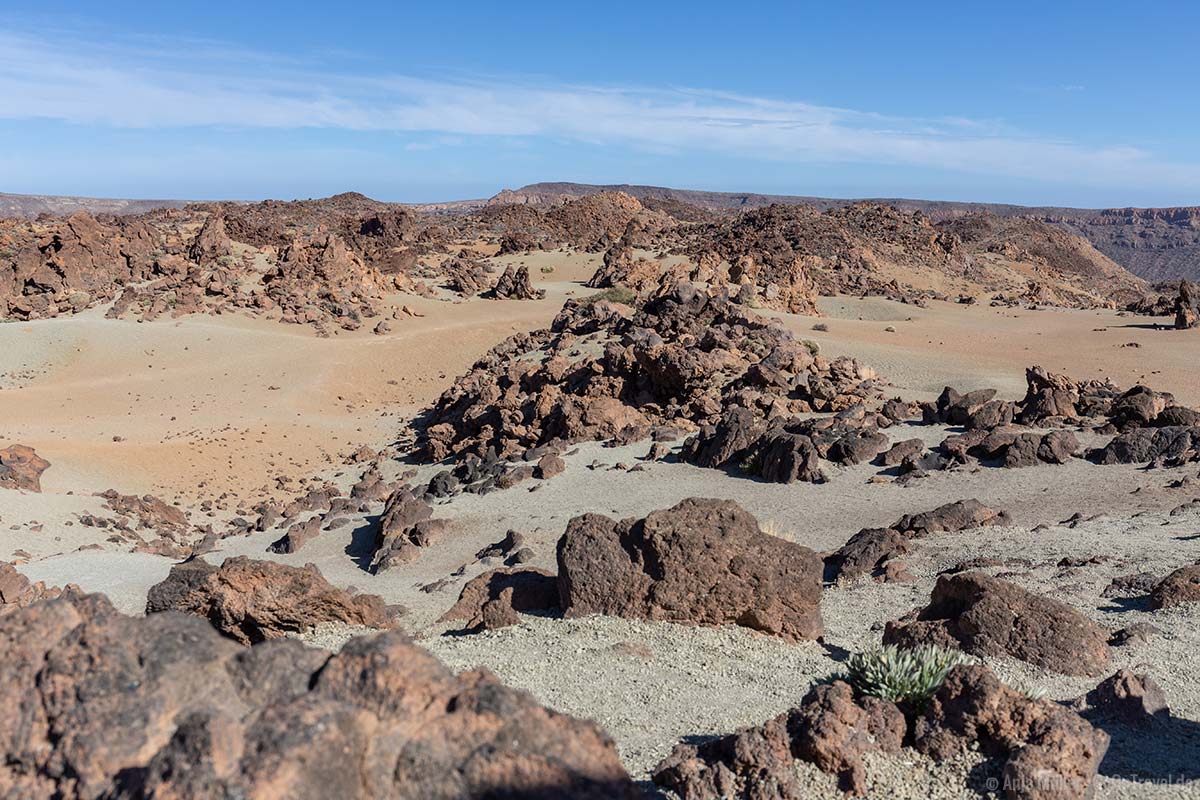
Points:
[(820, 326), (812, 347), (1032, 691), (613, 294), (902, 675), (546, 270)]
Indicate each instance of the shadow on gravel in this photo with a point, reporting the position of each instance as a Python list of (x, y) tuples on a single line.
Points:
[(1161, 750), (1119, 605), (362, 543)]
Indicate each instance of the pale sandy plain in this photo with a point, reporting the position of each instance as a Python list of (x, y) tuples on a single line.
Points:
[(203, 406)]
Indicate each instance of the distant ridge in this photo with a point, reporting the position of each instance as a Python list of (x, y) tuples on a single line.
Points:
[(1157, 244), (28, 206)]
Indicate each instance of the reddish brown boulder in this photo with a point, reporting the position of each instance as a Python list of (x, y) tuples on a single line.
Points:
[(1125, 697), (1181, 586), (549, 465), (951, 518), (1049, 750), (102, 705), (867, 551), (830, 729), (987, 616), (252, 601), (21, 468), (493, 599), (703, 562), (900, 452)]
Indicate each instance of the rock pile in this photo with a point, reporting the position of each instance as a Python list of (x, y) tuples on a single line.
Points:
[(604, 370), (514, 284)]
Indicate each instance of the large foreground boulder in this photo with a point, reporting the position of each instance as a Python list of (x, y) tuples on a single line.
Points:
[(252, 601), (102, 705), (987, 616), (703, 562)]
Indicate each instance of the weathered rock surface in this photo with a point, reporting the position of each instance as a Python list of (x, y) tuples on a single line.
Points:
[(492, 600), (21, 468), (830, 728), (1049, 751), (103, 705), (252, 601), (514, 284), (703, 562), (17, 591), (1181, 586), (987, 616)]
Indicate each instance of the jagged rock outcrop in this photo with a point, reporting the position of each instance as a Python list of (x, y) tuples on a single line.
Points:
[(987, 616), (68, 265), (1048, 750), (702, 562), (252, 601), (103, 705), (17, 591), (494, 599), (21, 468), (405, 527), (514, 284), (830, 728)]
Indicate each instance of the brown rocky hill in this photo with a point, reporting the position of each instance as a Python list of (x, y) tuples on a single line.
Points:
[(1046, 254), (1152, 243), (874, 249)]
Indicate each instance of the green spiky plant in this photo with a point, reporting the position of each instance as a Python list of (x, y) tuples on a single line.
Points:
[(908, 676)]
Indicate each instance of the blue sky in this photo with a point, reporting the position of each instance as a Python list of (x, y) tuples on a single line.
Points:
[(1065, 103)]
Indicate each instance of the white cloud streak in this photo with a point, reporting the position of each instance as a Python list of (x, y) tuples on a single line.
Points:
[(89, 84)]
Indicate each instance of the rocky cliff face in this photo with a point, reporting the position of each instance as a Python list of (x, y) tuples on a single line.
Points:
[(1157, 244)]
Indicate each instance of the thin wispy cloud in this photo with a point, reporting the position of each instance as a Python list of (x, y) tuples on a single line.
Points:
[(190, 85)]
